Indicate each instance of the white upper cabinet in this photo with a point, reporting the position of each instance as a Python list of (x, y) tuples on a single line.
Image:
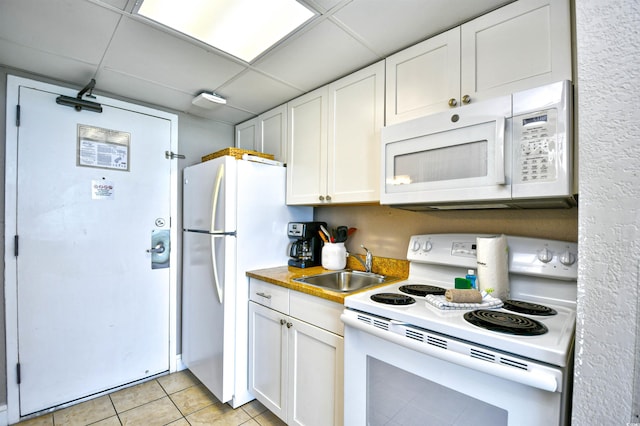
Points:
[(246, 134), (422, 78), (272, 133), (307, 148), (334, 141), (356, 117), (519, 46), (266, 133)]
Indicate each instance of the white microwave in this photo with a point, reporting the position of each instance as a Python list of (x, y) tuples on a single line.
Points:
[(511, 151)]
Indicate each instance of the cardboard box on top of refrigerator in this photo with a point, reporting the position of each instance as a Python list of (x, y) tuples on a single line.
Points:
[(237, 153)]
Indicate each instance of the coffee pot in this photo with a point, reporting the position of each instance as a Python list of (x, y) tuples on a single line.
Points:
[(305, 250)]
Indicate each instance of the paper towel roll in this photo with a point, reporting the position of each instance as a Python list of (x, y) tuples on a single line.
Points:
[(493, 266)]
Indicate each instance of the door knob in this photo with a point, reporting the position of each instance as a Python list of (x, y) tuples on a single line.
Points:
[(159, 248), (453, 102), (466, 99)]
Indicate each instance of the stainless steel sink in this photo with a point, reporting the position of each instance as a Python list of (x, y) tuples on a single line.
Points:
[(344, 281)]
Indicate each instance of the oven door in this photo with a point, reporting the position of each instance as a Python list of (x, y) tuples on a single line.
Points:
[(392, 379), (457, 156)]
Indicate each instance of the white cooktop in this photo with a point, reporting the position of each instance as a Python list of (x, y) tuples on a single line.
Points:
[(550, 283)]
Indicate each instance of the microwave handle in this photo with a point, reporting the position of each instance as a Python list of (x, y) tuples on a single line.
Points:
[(499, 155)]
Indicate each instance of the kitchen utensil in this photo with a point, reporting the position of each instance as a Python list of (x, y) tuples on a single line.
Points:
[(341, 234)]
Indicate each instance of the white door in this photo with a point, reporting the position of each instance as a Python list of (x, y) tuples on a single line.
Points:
[(93, 312)]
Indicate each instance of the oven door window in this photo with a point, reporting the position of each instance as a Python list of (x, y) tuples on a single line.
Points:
[(396, 396)]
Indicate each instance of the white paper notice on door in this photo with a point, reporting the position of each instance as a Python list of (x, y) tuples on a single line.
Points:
[(103, 148), (102, 190)]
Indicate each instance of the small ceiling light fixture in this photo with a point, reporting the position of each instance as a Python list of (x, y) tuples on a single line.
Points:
[(205, 99), (242, 28)]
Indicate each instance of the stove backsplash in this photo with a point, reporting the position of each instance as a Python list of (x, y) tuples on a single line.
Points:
[(385, 230)]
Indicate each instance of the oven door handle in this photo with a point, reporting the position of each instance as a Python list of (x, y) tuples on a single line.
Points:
[(534, 377)]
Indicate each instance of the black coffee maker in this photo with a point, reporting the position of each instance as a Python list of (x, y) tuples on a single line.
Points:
[(306, 249)]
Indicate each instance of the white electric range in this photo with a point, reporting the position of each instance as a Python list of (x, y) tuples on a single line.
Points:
[(517, 371)]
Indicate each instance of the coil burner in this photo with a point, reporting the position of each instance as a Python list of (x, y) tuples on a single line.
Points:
[(393, 299), (528, 308), (504, 322), (421, 289)]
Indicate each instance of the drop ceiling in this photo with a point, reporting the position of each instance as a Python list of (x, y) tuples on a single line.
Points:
[(131, 57)]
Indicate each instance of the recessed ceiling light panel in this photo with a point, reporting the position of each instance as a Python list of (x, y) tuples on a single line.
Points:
[(243, 28)]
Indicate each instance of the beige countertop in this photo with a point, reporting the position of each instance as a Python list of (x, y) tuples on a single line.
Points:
[(284, 275)]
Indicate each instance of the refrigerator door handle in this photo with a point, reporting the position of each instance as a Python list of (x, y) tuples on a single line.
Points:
[(215, 266), (214, 197)]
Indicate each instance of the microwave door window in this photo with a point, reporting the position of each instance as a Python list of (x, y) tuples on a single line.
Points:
[(463, 161)]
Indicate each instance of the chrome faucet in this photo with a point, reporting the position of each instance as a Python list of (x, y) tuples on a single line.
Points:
[(368, 262)]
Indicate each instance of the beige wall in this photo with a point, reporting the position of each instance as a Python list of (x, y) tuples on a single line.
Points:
[(386, 231)]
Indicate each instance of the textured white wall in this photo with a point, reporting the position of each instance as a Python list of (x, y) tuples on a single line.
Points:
[(607, 368)]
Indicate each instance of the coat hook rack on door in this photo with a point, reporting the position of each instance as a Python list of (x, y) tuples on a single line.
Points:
[(78, 103)]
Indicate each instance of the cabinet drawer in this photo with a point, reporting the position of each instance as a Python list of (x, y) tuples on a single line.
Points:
[(270, 295), (314, 310)]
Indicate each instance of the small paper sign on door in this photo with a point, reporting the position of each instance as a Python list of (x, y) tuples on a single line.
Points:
[(102, 190)]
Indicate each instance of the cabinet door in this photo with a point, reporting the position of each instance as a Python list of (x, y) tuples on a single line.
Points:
[(246, 134), (519, 46), (272, 138), (307, 148), (356, 116), (268, 358), (315, 376), (423, 78)]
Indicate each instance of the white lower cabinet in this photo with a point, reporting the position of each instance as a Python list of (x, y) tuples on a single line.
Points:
[(296, 364)]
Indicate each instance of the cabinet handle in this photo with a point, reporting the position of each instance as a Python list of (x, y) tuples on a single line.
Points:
[(289, 325), (328, 197), (453, 102), (321, 198), (266, 296), (466, 99), (282, 321)]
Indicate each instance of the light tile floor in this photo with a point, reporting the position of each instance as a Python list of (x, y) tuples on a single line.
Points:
[(178, 399)]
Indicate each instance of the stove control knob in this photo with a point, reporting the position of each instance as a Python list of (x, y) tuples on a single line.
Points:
[(427, 246), (545, 255), (415, 246), (567, 258)]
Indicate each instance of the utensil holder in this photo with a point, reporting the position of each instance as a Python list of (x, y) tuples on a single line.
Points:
[(334, 256)]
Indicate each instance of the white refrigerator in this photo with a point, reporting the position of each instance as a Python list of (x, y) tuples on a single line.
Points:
[(235, 220)]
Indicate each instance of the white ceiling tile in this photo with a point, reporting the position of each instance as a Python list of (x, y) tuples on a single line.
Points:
[(388, 26), (120, 4), (74, 29), (223, 113), (142, 50), (316, 57), (325, 5), (256, 92), (45, 64), (136, 89)]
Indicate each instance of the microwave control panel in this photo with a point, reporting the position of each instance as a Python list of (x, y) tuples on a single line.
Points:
[(536, 140)]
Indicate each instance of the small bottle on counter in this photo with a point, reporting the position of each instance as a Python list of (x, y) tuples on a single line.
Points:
[(471, 276)]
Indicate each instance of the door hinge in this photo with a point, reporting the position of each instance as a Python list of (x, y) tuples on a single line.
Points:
[(17, 115), (18, 376), (170, 155), (15, 246)]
